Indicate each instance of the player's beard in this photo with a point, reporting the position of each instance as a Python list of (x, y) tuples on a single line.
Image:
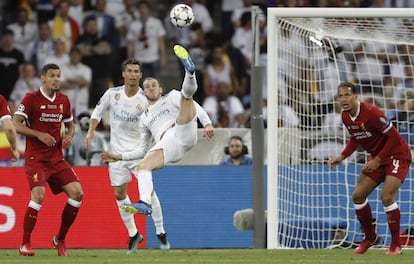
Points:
[(237, 155)]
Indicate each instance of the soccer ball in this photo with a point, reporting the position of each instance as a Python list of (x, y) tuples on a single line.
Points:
[(181, 15)]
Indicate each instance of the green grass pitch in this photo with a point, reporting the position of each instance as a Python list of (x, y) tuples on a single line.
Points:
[(207, 256)]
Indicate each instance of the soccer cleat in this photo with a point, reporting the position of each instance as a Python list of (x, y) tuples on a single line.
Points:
[(185, 58), (366, 244), (133, 243), (394, 250), (26, 250), (60, 245), (164, 244), (137, 208)]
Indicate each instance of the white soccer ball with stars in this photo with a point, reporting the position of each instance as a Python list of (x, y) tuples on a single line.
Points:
[(181, 15)]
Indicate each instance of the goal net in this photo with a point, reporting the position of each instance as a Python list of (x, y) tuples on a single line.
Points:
[(310, 51)]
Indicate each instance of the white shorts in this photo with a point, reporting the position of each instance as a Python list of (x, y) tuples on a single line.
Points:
[(176, 141), (120, 171)]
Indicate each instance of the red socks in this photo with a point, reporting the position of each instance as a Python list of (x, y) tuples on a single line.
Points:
[(29, 223), (68, 217), (365, 218), (393, 218)]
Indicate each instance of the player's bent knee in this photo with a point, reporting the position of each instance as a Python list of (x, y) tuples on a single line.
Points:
[(358, 198), (75, 194), (387, 199)]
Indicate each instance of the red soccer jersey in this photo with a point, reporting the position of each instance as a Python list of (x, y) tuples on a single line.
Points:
[(369, 128), (4, 108), (46, 115)]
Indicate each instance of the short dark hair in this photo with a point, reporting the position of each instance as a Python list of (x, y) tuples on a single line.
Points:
[(131, 61), (74, 49), (87, 19), (349, 85), (236, 138), (49, 66), (143, 2), (8, 32)]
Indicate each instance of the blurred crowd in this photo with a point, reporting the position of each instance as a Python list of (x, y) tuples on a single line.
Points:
[(89, 39)]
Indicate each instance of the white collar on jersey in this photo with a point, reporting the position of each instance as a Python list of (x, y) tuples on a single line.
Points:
[(357, 111), (47, 97)]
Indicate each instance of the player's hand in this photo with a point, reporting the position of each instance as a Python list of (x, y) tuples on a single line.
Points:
[(109, 157), (89, 139), (16, 155), (208, 131), (47, 139), (67, 141), (372, 165), (332, 162)]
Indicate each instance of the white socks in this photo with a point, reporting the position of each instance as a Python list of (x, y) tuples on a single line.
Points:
[(127, 218), (189, 86), (157, 214), (145, 185)]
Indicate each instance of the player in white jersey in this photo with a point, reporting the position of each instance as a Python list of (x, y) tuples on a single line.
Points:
[(171, 121), (125, 104)]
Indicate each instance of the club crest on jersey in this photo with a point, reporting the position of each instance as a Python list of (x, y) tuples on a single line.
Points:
[(61, 108), (117, 96), (363, 126), (36, 177), (139, 107)]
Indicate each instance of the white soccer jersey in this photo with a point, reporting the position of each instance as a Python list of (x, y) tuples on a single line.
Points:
[(158, 118), (124, 117)]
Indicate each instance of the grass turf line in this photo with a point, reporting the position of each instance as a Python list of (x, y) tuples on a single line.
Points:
[(206, 256)]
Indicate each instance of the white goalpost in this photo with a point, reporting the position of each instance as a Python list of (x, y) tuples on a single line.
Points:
[(310, 51)]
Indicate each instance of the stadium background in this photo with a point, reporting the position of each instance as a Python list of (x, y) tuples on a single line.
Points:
[(198, 204), (198, 201)]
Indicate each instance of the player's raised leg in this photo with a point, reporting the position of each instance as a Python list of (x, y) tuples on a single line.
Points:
[(189, 86)]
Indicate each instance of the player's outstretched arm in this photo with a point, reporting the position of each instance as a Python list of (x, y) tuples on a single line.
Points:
[(208, 131), (136, 154), (110, 157), (332, 162), (93, 123), (205, 121)]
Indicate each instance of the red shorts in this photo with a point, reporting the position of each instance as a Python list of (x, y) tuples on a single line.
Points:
[(56, 173), (390, 167)]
